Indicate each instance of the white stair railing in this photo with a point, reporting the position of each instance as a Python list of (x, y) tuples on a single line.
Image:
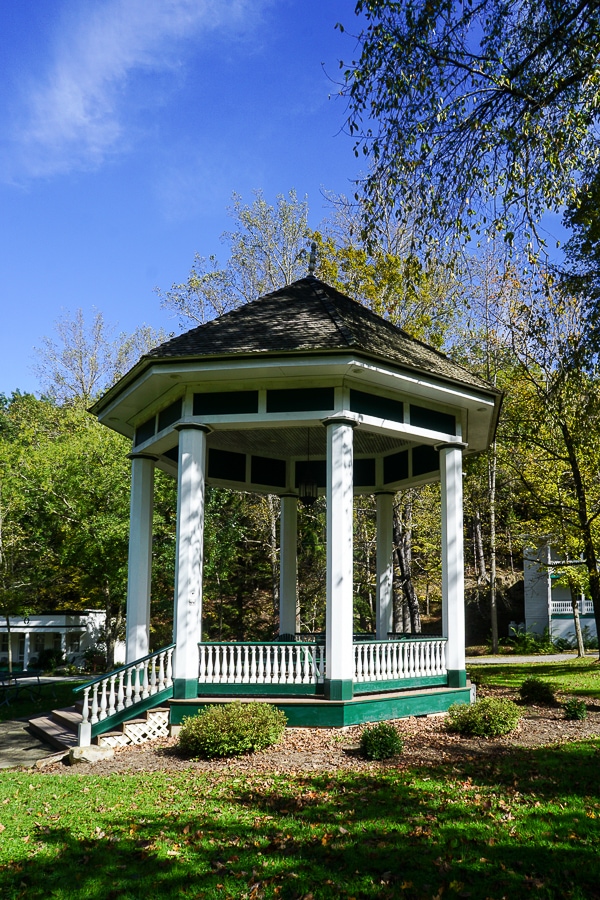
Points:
[(395, 660), (124, 688), (261, 663)]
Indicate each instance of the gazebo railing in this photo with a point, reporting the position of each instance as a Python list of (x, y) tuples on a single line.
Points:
[(124, 688), (396, 660), (261, 663)]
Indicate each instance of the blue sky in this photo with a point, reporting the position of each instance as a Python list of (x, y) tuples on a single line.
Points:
[(127, 125)]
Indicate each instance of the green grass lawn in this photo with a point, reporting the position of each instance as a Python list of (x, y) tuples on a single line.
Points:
[(577, 677), (523, 823)]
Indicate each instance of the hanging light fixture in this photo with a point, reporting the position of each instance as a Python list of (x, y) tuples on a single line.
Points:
[(308, 489)]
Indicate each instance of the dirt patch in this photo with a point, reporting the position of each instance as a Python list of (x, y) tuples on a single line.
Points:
[(426, 742)]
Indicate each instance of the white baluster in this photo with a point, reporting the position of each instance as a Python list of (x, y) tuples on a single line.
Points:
[(202, 664), (297, 665), (145, 666), (305, 665), (357, 662), (321, 669), (161, 671), (153, 676), (246, 665), (277, 664), (395, 650), (103, 700), (238, 664), (377, 649), (121, 692), (94, 716), (290, 665), (85, 712), (136, 683), (269, 664), (169, 668), (111, 696), (260, 663), (128, 687), (253, 664)]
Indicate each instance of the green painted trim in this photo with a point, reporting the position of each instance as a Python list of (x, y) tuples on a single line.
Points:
[(262, 690), (570, 616), (457, 678), (131, 712), (399, 684), (338, 714), (185, 688), (338, 689)]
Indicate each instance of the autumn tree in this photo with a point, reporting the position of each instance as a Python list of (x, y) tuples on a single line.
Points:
[(475, 116)]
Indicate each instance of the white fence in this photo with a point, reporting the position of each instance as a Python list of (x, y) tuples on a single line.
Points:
[(252, 663), (395, 660), (560, 607), (125, 687), (304, 663)]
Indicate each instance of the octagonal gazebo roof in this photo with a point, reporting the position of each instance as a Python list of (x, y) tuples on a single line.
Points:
[(263, 374)]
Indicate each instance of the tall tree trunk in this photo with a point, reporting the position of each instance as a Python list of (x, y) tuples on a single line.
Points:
[(589, 549), (492, 465), (109, 629), (273, 513), (574, 588), (10, 656), (402, 550), (480, 567)]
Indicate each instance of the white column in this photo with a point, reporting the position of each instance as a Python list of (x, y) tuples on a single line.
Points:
[(26, 650), (453, 590), (139, 576), (288, 563), (385, 566), (339, 618), (189, 553)]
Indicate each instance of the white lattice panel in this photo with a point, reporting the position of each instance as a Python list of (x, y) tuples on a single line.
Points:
[(155, 726), (113, 740)]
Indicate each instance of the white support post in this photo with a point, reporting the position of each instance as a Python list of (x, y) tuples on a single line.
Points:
[(288, 564), (453, 590), (339, 616), (385, 565), (137, 631), (189, 554), (26, 650)]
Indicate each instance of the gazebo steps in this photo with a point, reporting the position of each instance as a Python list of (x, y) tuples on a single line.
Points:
[(59, 728), (316, 712)]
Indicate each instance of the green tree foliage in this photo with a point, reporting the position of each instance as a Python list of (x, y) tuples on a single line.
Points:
[(474, 115)]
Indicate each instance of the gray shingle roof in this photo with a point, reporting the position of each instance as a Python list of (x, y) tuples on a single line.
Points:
[(310, 316)]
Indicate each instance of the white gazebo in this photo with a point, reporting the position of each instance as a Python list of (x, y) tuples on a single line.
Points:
[(236, 403)]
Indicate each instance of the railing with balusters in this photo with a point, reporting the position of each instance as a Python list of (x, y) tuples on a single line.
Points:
[(396, 660), (125, 687), (565, 607), (262, 663)]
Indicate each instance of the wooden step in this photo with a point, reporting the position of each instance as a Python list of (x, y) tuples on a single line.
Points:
[(53, 733), (69, 717)]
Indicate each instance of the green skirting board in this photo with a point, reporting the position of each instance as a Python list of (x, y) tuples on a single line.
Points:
[(315, 712)]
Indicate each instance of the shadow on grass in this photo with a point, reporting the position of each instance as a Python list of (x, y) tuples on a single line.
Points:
[(526, 821)]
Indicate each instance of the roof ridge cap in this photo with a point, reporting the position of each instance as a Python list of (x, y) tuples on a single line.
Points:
[(333, 313)]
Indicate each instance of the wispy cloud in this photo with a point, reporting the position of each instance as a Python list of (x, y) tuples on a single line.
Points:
[(77, 115)]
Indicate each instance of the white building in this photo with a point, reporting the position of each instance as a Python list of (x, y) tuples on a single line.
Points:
[(69, 634), (547, 604)]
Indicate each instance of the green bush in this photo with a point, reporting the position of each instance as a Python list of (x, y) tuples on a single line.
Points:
[(575, 709), (380, 741), (231, 730), (534, 690), (488, 717)]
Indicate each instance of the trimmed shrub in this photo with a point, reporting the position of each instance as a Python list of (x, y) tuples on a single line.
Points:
[(380, 741), (231, 730), (575, 709), (488, 717), (534, 690)]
